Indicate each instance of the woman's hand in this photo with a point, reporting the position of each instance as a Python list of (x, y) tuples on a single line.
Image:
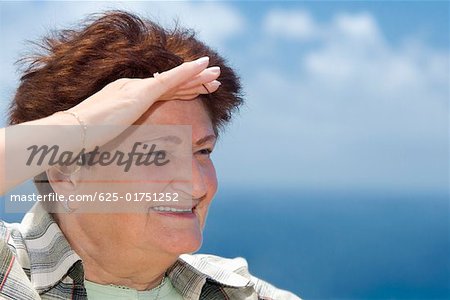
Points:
[(123, 101)]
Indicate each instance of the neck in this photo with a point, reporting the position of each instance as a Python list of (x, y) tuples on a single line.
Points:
[(108, 261)]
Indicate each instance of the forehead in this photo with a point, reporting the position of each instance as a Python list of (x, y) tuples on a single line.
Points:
[(179, 112)]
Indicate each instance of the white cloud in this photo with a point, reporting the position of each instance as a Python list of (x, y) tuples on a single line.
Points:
[(354, 110), (290, 24), (215, 22), (359, 26)]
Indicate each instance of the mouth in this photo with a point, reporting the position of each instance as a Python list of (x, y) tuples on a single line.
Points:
[(176, 211)]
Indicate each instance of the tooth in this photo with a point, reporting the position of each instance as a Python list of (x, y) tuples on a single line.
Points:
[(172, 209)]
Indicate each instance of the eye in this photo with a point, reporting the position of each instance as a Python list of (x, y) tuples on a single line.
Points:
[(206, 151)]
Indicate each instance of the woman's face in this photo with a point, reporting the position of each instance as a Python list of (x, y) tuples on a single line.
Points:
[(143, 233)]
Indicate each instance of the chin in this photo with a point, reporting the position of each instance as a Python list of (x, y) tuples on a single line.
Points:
[(183, 242)]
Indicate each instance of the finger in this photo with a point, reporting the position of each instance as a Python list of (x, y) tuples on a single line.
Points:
[(185, 97), (172, 78), (207, 88), (205, 76), (179, 97)]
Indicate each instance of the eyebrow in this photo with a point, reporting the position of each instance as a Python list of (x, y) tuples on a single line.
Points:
[(169, 138), (205, 139)]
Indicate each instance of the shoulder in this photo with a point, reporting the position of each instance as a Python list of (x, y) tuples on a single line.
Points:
[(12, 240), (10, 236), (12, 243), (235, 272), (14, 279)]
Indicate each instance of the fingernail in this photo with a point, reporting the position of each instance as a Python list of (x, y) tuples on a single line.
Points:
[(215, 84), (215, 70), (203, 60)]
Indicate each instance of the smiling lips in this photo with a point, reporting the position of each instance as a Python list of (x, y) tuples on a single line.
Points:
[(174, 212), (177, 209), (172, 209)]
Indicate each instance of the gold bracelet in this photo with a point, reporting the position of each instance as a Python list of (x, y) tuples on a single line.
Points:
[(82, 124), (83, 138)]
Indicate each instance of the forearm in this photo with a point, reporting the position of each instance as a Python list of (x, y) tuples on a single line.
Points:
[(60, 129)]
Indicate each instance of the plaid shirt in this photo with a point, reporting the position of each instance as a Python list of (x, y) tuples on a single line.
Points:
[(37, 262)]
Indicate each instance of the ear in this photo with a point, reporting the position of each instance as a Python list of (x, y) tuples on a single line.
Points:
[(65, 181)]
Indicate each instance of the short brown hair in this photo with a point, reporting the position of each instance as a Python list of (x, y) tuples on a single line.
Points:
[(79, 62)]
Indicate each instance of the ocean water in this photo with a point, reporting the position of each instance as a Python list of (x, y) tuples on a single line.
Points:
[(330, 245), (335, 244)]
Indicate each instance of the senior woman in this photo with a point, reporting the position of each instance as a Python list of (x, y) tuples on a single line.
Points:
[(173, 79)]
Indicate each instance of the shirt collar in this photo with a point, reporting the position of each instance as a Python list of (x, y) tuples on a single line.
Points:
[(190, 273), (52, 259)]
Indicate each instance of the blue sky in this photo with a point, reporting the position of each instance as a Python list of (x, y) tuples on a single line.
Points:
[(346, 95)]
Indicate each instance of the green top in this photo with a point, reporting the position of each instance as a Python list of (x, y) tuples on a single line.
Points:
[(165, 291)]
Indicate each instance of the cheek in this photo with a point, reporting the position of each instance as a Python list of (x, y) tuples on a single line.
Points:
[(211, 179)]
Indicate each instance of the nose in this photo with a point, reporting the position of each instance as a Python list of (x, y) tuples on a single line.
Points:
[(199, 186), (195, 186)]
